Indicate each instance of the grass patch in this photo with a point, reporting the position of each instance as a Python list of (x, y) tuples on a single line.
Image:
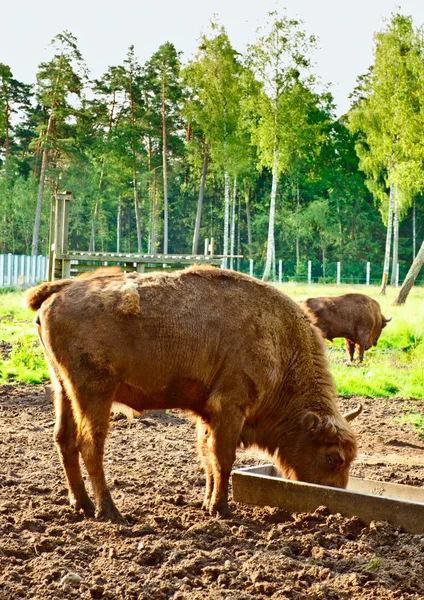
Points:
[(415, 419), (393, 368), (21, 356)]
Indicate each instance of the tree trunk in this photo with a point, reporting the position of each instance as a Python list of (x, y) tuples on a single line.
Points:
[(238, 233), (226, 218), (414, 232), (44, 161), (165, 174), (6, 131), (395, 240), (249, 226), (270, 254), (134, 167), (388, 240), (195, 247), (136, 204), (118, 226), (92, 247), (233, 223), (297, 229), (410, 278)]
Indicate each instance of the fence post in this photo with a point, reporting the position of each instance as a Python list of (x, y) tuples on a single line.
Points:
[(1, 270), (309, 271), (45, 268), (338, 273), (280, 271), (9, 269), (21, 271), (368, 272), (33, 260), (251, 267), (15, 269)]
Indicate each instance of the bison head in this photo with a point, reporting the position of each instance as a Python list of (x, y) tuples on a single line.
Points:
[(376, 332), (323, 452)]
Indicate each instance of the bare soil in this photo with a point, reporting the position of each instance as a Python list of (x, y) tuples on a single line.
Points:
[(170, 549)]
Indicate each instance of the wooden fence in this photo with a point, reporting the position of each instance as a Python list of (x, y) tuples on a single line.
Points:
[(22, 271)]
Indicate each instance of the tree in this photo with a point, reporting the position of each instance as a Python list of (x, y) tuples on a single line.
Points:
[(57, 80), (280, 62), (384, 106), (161, 74), (410, 278), (213, 81), (14, 96)]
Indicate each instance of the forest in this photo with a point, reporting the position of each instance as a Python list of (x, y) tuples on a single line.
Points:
[(242, 148)]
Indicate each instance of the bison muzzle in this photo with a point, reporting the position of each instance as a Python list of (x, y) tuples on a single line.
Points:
[(235, 352)]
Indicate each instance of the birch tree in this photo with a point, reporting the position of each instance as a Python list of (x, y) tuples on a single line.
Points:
[(214, 104), (380, 117), (410, 278), (280, 60)]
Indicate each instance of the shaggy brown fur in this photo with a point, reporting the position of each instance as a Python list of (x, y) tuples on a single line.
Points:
[(355, 317), (232, 350)]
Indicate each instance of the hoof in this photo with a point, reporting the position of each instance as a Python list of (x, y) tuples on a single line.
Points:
[(84, 505), (220, 510), (107, 511)]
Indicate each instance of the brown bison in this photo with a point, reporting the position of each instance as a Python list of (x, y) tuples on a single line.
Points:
[(355, 317), (234, 351)]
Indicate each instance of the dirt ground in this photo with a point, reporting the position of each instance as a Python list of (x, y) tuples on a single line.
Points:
[(170, 549)]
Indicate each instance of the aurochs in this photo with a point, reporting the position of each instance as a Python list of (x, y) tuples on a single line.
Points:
[(235, 352)]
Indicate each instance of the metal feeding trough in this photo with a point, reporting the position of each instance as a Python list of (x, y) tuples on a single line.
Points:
[(401, 505)]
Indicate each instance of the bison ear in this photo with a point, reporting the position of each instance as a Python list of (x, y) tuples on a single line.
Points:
[(311, 421)]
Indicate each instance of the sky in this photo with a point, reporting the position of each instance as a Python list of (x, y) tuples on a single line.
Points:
[(106, 29)]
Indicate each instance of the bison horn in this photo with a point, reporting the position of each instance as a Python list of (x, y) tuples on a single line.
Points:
[(389, 319), (349, 416), (330, 430)]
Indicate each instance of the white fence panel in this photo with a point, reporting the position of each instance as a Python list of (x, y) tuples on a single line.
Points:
[(22, 271)]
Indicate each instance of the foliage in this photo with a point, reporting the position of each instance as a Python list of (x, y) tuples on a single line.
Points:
[(108, 141), (21, 355)]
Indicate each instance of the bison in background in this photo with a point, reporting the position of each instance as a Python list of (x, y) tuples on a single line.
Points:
[(355, 317), (235, 352)]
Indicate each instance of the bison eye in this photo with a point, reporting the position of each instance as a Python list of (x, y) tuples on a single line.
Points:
[(330, 459)]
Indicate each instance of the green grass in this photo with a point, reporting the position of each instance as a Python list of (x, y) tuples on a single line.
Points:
[(21, 356), (395, 368)]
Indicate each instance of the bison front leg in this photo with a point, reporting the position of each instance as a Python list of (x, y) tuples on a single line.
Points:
[(222, 442), (65, 438), (360, 348)]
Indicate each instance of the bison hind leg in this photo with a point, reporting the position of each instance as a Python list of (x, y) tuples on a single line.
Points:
[(66, 444), (93, 393), (350, 347), (203, 433)]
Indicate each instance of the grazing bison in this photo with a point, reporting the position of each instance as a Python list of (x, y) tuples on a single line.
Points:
[(234, 351), (355, 317)]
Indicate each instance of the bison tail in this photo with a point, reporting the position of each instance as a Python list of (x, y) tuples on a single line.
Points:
[(35, 296)]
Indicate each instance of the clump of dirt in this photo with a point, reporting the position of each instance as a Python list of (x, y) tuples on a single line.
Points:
[(5, 349), (169, 548)]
